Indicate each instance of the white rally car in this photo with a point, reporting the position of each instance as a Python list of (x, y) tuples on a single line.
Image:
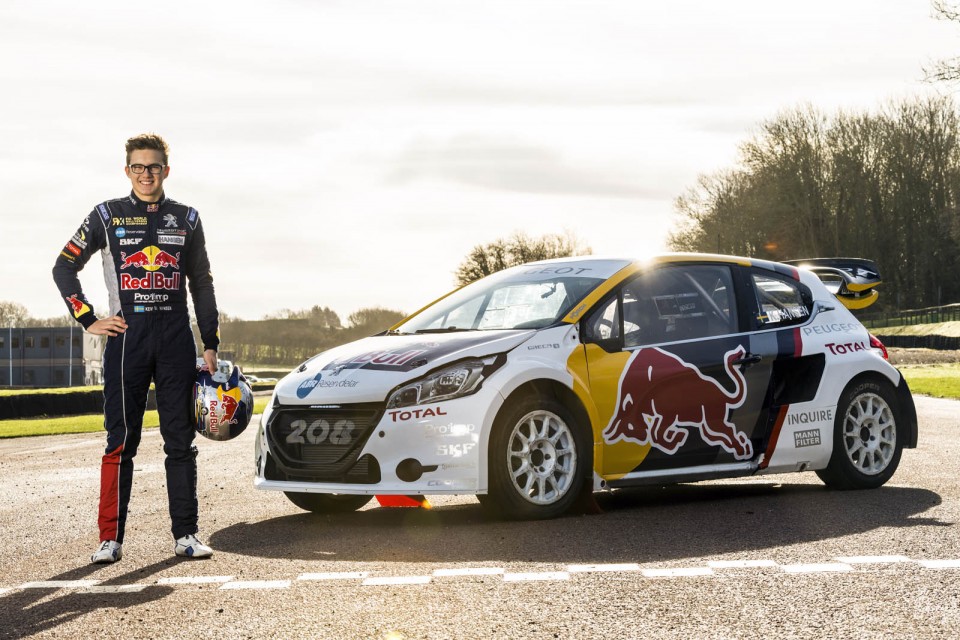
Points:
[(554, 379)]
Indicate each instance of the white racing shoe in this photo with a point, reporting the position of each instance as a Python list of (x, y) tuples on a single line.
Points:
[(108, 552), (189, 547)]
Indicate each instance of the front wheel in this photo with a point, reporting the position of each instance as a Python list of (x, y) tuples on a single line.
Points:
[(538, 460), (866, 443), (327, 502)]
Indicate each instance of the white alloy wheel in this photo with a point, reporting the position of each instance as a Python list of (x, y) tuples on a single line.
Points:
[(869, 434), (542, 457)]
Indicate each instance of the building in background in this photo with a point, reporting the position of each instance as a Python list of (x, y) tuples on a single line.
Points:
[(50, 357)]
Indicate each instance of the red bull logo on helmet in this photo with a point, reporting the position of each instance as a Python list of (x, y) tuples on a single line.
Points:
[(662, 398), (150, 258), (224, 408)]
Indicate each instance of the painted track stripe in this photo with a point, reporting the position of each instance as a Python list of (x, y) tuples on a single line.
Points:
[(115, 588), (396, 580), (195, 580), (546, 575), (871, 559), (588, 568), (335, 575), (940, 564), (257, 584), (60, 584), (682, 572), (469, 571), (741, 564), (823, 567), (5, 590)]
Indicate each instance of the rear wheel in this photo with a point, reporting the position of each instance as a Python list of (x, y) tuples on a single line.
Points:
[(866, 442), (538, 460), (327, 502)]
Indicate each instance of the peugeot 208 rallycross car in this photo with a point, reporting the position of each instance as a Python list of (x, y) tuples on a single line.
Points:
[(547, 380)]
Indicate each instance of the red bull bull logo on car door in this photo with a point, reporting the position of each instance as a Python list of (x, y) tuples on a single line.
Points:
[(662, 398)]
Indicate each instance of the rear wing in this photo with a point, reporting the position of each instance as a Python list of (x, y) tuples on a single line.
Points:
[(851, 280)]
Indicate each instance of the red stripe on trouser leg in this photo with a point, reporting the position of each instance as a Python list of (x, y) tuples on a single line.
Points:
[(109, 516)]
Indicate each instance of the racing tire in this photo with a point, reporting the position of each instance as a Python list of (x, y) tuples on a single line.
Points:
[(866, 442), (327, 502), (538, 460)]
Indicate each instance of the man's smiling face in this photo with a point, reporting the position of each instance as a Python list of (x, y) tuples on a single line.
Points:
[(147, 186)]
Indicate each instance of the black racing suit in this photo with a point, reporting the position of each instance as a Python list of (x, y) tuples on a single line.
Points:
[(150, 251)]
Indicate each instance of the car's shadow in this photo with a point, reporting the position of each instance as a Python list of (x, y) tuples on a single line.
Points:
[(639, 525)]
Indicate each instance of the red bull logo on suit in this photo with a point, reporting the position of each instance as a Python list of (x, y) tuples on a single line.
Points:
[(661, 398)]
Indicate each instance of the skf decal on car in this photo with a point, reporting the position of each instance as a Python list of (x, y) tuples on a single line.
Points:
[(671, 394), (78, 306)]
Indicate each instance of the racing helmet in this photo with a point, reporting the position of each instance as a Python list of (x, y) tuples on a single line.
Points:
[(222, 406)]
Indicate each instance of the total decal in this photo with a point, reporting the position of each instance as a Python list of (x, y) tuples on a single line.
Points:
[(150, 259), (661, 398), (79, 306), (416, 414)]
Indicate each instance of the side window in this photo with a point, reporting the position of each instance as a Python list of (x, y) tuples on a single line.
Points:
[(780, 302), (603, 324), (685, 302)]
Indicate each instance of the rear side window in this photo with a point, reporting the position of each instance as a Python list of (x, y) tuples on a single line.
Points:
[(780, 302)]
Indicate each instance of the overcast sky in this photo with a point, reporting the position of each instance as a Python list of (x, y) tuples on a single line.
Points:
[(350, 153)]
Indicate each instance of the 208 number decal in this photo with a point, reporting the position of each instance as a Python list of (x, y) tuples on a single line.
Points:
[(320, 430)]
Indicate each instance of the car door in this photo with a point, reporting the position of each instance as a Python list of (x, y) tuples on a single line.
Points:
[(671, 372)]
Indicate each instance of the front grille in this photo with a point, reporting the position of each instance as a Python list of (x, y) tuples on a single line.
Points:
[(322, 443)]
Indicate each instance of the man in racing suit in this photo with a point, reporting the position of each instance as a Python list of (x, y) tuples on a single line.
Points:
[(152, 246)]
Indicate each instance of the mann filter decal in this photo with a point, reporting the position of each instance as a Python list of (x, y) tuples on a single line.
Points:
[(806, 438)]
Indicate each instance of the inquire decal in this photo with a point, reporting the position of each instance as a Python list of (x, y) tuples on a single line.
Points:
[(660, 396)]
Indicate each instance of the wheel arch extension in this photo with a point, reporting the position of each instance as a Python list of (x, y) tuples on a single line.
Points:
[(906, 410), (546, 388)]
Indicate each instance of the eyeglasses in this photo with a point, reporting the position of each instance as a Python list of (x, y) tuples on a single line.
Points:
[(154, 169)]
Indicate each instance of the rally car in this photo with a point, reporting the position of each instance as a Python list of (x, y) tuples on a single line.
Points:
[(548, 381)]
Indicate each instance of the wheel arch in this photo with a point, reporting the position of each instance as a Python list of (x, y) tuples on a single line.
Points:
[(906, 411)]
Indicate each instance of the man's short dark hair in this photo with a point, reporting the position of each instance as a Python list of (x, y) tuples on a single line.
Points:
[(148, 141)]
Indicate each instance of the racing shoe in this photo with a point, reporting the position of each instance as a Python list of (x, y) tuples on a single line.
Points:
[(108, 552), (189, 547)]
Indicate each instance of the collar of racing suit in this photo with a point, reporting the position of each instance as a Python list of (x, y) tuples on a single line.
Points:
[(147, 207)]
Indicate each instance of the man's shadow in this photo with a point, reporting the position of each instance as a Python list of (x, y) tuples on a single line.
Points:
[(30, 611)]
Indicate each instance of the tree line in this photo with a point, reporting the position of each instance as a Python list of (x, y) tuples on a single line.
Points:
[(883, 186)]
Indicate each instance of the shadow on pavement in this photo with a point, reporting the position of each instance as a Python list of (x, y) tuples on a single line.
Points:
[(32, 611), (639, 525)]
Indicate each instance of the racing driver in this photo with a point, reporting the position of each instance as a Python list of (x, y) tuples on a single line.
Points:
[(152, 246)]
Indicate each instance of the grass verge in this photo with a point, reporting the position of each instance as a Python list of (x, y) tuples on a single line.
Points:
[(938, 380), (91, 423)]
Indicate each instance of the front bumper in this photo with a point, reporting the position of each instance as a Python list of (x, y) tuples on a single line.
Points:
[(427, 449)]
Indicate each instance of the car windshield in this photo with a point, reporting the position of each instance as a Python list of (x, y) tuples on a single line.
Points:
[(513, 299)]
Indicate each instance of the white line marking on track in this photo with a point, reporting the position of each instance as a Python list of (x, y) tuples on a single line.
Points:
[(195, 580), (741, 564), (60, 584), (823, 567), (683, 572), (396, 580), (469, 571), (115, 588), (4, 590), (546, 575), (341, 575), (940, 564), (871, 559), (257, 584), (589, 568)]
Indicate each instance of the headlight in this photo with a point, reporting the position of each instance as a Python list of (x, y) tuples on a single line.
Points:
[(455, 381)]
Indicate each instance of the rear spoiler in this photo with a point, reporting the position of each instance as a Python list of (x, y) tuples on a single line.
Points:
[(851, 280)]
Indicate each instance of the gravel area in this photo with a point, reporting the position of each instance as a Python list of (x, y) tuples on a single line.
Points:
[(922, 356)]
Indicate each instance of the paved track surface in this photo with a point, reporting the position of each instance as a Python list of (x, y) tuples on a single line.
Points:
[(780, 557)]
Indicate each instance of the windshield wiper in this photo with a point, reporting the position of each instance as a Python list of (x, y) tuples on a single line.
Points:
[(443, 330)]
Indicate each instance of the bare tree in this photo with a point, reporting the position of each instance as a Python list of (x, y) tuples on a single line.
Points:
[(947, 70), (13, 314), (517, 249)]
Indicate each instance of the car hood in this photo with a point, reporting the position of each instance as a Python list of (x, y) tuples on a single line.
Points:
[(368, 370)]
